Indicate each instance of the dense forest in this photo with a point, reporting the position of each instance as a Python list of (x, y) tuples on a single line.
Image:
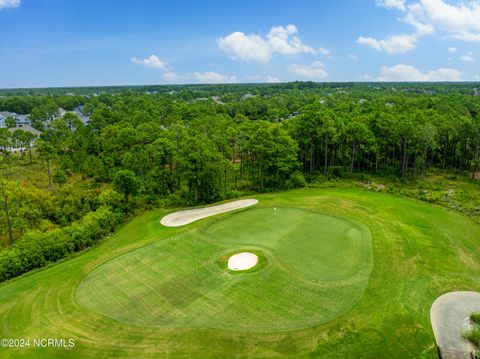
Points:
[(188, 145)]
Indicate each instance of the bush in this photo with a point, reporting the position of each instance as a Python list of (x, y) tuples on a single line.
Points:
[(473, 335), (233, 194), (110, 197), (475, 317), (36, 249), (296, 180), (337, 172), (60, 177)]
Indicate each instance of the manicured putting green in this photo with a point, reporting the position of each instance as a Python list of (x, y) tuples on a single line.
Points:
[(312, 269)]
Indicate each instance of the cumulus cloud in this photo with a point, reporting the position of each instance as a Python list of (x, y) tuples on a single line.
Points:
[(466, 36), (153, 62), (353, 57), (326, 52), (252, 47), (397, 44), (452, 50), (467, 57), (460, 21), (9, 3), (211, 77), (415, 18), (392, 4), (461, 18), (171, 76), (313, 71), (406, 73)]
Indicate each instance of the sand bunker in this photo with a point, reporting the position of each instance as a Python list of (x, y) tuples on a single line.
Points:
[(242, 261), (182, 218), (449, 314)]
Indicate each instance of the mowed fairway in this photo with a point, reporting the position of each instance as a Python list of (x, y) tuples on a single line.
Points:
[(152, 291), (315, 267)]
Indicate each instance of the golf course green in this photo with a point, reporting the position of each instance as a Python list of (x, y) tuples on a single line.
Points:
[(316, 268), (342, 273)]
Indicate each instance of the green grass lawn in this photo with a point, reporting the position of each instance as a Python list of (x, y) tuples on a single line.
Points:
[(419, 252), (316, 268)]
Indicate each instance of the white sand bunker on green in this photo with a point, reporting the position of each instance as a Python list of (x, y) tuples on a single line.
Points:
[(182, 218), (242, 261)]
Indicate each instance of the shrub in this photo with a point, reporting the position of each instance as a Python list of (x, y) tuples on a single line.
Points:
[(296, 180), (473, 335), (337, 172), (36, 249), (475, 317), (60, 177)]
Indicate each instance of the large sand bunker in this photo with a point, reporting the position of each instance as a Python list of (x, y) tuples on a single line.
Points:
[(182, 218), (242, 261), (449, 314)]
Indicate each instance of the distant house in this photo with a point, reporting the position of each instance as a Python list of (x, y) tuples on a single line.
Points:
[(23, 120), (61, 112), (77, 111), (25, 128), (84, 118), (20, 120), (247, 96), (216, 99), (2, 121)]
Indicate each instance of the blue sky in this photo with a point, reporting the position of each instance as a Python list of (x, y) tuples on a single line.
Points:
[(125, 42)]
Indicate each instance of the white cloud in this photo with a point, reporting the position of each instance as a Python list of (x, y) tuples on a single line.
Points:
[(392, 4), (313, 71), (326, 52), (251, 47), (397, 44), (466, 36), (467, 57), (171, 76), (415, 18), (452, 50), (9, 3), (403, 72), (272, 79), (238, 45), (353, 57), (460, 21), (153, 62), (213, 77)]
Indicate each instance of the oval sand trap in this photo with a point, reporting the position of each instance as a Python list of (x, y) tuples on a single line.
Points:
[(242, 261), (182, 218)]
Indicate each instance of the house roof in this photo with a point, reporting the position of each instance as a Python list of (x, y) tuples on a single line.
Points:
[(26, 128), (6, 114)]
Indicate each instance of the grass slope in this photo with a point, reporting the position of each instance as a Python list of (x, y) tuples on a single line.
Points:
[(316, 268), (420, 251)]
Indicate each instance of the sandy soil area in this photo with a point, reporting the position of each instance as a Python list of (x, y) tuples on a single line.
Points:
[(242, 261), (182, 218), (449, 315)]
